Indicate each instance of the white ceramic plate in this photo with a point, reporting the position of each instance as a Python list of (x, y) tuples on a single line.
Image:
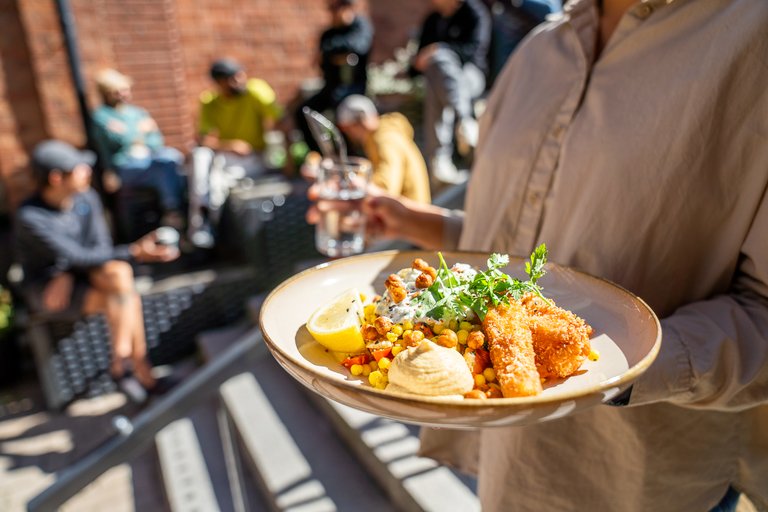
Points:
[(627, 335)]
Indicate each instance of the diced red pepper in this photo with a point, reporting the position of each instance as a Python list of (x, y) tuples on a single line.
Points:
[(378, 354), (359, 359)]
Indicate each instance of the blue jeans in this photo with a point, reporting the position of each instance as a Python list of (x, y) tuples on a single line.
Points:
[(159, 171)]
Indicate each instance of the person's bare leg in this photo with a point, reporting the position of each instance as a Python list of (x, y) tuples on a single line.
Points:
[(122, 307), (139, 346)]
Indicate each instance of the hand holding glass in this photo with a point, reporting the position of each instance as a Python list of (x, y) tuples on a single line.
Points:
[(341, 190)]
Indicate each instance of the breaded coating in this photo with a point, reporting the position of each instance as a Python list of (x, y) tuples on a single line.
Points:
[(511, 348), (560, 338)]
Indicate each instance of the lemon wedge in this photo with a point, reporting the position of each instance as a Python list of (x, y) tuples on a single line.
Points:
[(336, 325)]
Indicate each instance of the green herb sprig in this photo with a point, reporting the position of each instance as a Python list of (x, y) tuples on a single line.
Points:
[(451, 296)]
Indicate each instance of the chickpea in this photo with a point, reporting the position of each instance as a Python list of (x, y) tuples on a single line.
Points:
[(419, 264), (383, 325), (396, 288), (413, 338), (447, 339), (370, 333), (475, 340), (431, 271), (424, 280), (475, 394)]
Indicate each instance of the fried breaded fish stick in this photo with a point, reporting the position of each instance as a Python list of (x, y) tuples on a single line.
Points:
[(511, 348), (560, 338)]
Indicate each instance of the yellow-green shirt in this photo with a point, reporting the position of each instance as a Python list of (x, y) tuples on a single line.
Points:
[(239, 117)]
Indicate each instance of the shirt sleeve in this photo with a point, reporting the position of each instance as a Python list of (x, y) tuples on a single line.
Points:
[(714, 353), (475, 43), (265, 98), (154, 139), (107, 142)]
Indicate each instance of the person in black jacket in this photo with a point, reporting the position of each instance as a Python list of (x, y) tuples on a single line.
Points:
[(453, 57), (344, 49), (70, 264)]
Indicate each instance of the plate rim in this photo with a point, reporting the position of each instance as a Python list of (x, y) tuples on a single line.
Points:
[(515, 402)]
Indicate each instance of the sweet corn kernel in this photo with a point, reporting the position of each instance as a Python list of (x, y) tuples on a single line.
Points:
[(489, 374), (594, 355), (438, 328), (384, 363), (462, 335), (391, 337), (398, 330), (375, 378), (362, 297), (407, 333), (356, 369), (396, 350), (366, 370), (374, 365), (453, 325), (479, 380), (465, 326), (407, 325)]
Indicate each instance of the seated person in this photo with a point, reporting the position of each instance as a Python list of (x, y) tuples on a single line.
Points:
[(70, 264), (344, 49), (387, 141), (131, 145), (452, 56), (233, 120)]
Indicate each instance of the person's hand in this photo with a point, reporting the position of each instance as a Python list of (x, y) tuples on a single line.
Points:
[(58, 292), (311, 165), (116, 126), (237, 146), (147, 125), (386, 214), (147, 250), (421, 60)]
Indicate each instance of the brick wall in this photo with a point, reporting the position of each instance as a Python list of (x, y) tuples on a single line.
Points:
[(166, 46)]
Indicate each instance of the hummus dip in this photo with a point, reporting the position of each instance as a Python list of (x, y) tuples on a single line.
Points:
[(429, 369)]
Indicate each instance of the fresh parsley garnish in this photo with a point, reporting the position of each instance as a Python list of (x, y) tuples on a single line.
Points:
[(453, 296)]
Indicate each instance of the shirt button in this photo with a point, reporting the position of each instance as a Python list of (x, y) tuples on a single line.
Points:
[(534, 197)]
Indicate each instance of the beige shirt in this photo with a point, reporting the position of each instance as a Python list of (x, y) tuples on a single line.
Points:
[(398, 166), (649, 167)]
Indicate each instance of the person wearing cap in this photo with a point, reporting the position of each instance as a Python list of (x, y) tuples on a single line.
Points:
[(452, 57), (343, 59), (387, 141), (131, 145), (234, 118), (69, 261)]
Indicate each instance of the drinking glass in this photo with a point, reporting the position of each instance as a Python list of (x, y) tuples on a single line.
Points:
[(341, 188)]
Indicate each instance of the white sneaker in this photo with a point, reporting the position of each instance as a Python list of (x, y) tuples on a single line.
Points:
[(444, 172), (467, 132)]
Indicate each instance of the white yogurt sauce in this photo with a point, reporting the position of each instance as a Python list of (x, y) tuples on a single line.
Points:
[(406, 309)]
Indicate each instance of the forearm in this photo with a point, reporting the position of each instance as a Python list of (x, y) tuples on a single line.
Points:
[(430, 227)]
